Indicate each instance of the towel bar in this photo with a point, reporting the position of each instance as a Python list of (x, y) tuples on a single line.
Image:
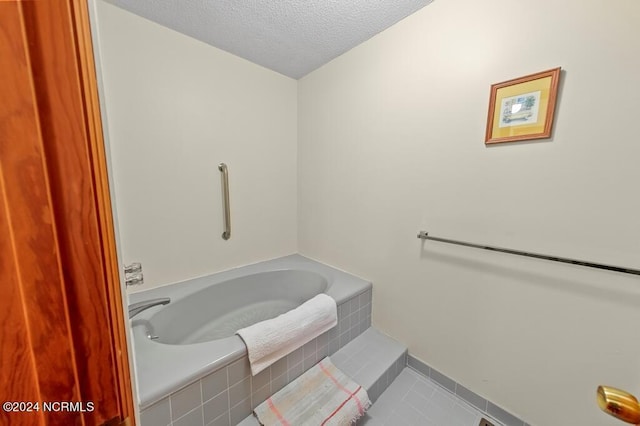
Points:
[(424, 235)]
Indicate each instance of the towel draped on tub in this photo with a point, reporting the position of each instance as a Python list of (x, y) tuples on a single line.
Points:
[(270, 340)]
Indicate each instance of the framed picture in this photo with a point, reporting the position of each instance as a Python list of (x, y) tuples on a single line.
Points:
[(522, 108)]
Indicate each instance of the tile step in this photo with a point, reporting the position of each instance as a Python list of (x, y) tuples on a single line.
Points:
[(373, 360)]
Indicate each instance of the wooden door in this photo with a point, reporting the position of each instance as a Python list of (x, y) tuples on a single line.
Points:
[(62, 341)]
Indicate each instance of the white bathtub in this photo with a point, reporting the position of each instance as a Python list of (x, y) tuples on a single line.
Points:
[(196, 331)]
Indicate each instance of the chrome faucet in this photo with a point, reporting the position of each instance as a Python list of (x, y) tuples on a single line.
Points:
[(136, 308)]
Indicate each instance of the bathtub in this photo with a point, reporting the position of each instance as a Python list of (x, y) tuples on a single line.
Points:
[(218, 311), (194, 335)]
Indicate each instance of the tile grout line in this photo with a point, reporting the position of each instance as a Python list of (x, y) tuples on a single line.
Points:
[(229, 398), (439, 386), (484, 412), (201, 400), (458, 398)]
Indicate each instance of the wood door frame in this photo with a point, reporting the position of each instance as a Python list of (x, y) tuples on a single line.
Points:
[(36, 339), (69, 152)]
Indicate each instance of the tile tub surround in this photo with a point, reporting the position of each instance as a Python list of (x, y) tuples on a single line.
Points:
[(229, 394), (162, 369), (470, 397)]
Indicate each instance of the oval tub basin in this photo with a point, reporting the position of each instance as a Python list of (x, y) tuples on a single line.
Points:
[(220, 310)]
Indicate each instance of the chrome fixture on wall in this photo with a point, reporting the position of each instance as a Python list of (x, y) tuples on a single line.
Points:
[(225, 201), (133, 274), (136, 308), (424, 235)]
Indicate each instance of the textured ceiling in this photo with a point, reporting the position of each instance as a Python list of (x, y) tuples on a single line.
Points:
[(292, 37)]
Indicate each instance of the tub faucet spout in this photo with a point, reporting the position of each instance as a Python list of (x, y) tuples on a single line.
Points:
[(136, 308)]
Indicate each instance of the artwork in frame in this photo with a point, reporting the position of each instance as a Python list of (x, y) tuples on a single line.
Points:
[(522, 108)]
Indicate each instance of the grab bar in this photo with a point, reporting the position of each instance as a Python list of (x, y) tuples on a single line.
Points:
[(423, 235), (225, 201)]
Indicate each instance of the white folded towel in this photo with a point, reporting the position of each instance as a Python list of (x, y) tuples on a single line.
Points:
[(270, 340)]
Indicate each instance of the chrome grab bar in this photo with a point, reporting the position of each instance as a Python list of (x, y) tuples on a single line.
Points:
[(225, 200), (424, 235)]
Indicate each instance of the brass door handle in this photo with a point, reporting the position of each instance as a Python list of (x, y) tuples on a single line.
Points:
[(619, 404)]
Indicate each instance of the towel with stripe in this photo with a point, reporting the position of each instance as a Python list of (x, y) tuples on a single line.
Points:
[(323, 395)]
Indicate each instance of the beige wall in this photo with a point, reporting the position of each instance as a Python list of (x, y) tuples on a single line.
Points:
[(176, 108), (390, 141)]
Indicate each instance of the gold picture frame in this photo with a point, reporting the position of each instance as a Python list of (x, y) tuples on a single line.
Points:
[(522, 108)]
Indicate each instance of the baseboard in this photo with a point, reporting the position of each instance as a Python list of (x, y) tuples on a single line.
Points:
[(469, 396)]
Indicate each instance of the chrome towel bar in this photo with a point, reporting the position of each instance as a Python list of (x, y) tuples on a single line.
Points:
[(424, 235), (225, 201)]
